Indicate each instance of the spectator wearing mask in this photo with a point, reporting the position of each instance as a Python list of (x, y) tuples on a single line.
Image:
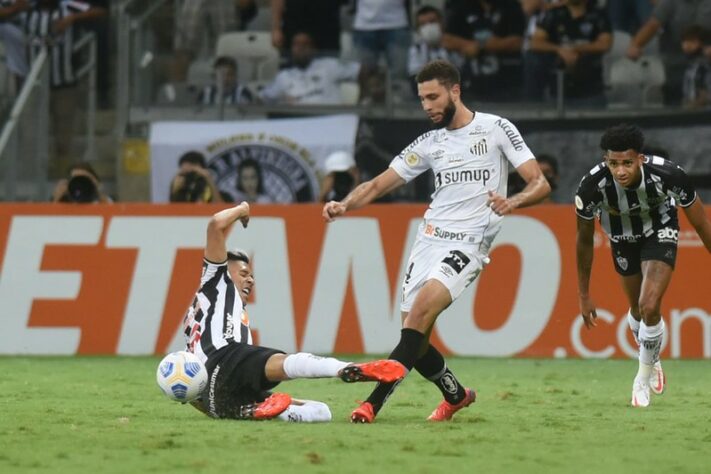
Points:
[(226, 85), (427, 45), (310, 79), (697, 77)]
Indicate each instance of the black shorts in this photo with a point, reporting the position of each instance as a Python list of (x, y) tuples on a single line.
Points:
[(237, 379), (660, 245)]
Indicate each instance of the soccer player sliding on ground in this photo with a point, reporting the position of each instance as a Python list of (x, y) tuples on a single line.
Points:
[(240, 374), (635, 197), (469, 154)]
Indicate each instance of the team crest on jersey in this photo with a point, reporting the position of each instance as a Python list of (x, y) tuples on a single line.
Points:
[(578, 203), (412, 159), (479, 147), (622, 262)]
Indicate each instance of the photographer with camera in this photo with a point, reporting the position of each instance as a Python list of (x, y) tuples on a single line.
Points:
[(194, 183), (83, 186)]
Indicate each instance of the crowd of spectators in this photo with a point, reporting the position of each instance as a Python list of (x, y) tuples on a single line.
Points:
[(507, 50)]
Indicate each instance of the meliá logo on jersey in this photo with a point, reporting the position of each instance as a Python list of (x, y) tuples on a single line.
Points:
[(447, 177), (511, 134)]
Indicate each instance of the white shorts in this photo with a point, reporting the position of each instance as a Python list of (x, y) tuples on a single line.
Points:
[(455, 264)]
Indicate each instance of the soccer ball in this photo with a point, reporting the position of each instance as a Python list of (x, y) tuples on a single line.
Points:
[(181, 376)]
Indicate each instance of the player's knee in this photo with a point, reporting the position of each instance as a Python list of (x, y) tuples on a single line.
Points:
[(649, 310)]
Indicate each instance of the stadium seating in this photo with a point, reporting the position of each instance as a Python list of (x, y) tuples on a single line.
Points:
[(256, 58), (636, 83)]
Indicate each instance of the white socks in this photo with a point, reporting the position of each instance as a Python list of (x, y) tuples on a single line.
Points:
[(650, 339), (634, 326), (309, 412), (308, 366)]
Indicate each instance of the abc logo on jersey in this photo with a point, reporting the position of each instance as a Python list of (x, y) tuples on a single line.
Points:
[(668, 234)]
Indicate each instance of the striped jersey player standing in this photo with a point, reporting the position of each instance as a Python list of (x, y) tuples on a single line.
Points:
[(240, 374), (635, 197), (469, 153)]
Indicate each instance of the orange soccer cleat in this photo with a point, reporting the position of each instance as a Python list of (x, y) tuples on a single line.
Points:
[(386, 371), (273, 406), (363, 414), (445, 410)]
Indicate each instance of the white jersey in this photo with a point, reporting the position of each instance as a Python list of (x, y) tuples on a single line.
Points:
[(319, 83), (467, 163)]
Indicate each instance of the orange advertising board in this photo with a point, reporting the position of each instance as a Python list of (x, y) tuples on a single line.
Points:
[(116, 279)]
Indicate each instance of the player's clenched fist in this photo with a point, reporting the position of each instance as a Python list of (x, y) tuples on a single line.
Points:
[(333, 209)]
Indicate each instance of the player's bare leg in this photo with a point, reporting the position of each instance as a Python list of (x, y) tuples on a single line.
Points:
[(632, 286), (655, 280)]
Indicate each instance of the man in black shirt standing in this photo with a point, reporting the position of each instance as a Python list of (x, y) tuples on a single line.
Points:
[(635, 197), (489, 35), (575, 36)]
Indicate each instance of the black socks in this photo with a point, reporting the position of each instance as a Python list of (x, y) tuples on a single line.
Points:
[(433, 367), (406, 353)]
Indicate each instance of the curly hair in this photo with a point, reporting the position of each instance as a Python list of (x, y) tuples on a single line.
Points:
[(622, 137), (443, 71)]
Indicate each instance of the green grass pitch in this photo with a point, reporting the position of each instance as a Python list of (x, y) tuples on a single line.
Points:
[(105, 414)]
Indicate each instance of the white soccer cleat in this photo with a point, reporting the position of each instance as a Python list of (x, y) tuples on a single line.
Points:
[(657, 380), (640, 393)]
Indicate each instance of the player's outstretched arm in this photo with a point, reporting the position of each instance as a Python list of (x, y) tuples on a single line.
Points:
[(584, 252), (219, 228), (698, 218), (364, 194), (537, 188)]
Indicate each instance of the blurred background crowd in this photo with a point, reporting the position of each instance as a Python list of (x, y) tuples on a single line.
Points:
[(83, 82)]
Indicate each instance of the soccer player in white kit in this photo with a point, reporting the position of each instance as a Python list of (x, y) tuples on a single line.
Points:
[(469, 153)]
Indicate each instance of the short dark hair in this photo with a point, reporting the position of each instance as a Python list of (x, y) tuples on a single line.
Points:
[(424, 10), (194, 158), (236, 255), (228, 61), (85, 167), (443, 71), (695, 32), (550, 159), (622, 137)]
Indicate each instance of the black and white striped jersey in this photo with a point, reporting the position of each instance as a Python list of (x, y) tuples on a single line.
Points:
[(629, 214), (216, 317), (39, 32), (238, 95)]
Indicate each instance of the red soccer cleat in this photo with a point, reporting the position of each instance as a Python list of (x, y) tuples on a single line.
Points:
[(273, 406), (386, 371), (445, 411), (363, 414)]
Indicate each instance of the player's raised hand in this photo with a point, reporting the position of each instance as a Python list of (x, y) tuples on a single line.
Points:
[(588, 311), (499, 204), (244, 213), (333, 209)]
